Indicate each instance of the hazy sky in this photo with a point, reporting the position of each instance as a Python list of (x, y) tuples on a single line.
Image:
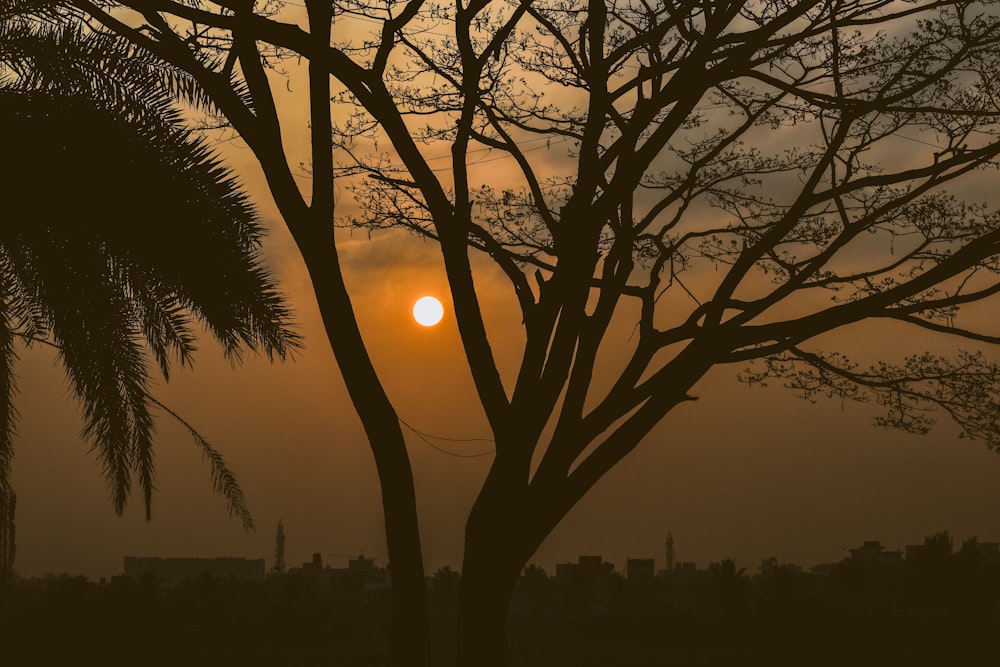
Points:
[(743, 472)]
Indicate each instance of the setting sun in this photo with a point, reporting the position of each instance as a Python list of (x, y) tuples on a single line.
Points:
[(428, 311)]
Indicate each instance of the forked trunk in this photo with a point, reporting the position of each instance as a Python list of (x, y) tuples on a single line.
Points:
[(497, 547)]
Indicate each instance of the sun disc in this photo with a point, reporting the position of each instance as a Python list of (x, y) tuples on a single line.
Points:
[(428, 311)]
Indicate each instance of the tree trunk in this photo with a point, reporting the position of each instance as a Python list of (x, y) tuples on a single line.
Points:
[(410, 631)]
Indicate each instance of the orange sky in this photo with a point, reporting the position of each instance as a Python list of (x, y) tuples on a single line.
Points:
[(745, 473)]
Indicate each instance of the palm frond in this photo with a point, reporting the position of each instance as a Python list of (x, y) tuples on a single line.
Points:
[(101, 348), (19, 11), (223, 480), (8, 390), (149, 233)]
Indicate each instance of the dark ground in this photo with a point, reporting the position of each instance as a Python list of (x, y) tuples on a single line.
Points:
[(71, 621)]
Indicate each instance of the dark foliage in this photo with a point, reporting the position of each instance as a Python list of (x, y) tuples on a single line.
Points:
[(122, 234)]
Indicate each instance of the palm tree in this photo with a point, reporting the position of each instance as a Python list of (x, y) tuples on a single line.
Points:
[(120, 234)]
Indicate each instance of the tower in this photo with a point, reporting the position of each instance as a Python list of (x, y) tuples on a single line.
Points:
[(670, 552), (7, 548), (279, 549)]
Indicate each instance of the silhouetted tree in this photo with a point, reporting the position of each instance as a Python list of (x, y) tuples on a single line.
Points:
[(121, 232), (932, 572), (536, 589), (444, 584), (974, 587), (937, 547), (728, 174), (731, 587)]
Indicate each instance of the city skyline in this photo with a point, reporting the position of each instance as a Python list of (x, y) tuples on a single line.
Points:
[(253, 569)]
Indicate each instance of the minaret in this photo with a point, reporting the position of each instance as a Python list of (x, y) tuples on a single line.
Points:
[(7, 502), (670, 552), (279, 549)]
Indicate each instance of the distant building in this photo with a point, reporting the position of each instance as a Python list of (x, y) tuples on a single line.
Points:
[(172, 571), (361, 582), (872, 554), (315, 564), (588, 568), (770, 568), (362, 566), (640, 569), (683, 585), (586, 585)]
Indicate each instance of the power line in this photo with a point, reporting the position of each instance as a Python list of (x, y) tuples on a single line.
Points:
[(424, 436)]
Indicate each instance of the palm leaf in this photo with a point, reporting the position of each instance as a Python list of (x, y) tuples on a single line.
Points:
[(223, 480), (149, 232)]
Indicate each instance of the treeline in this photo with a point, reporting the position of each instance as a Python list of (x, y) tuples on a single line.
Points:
[(938, 606), (69, 620), (934, 579)]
